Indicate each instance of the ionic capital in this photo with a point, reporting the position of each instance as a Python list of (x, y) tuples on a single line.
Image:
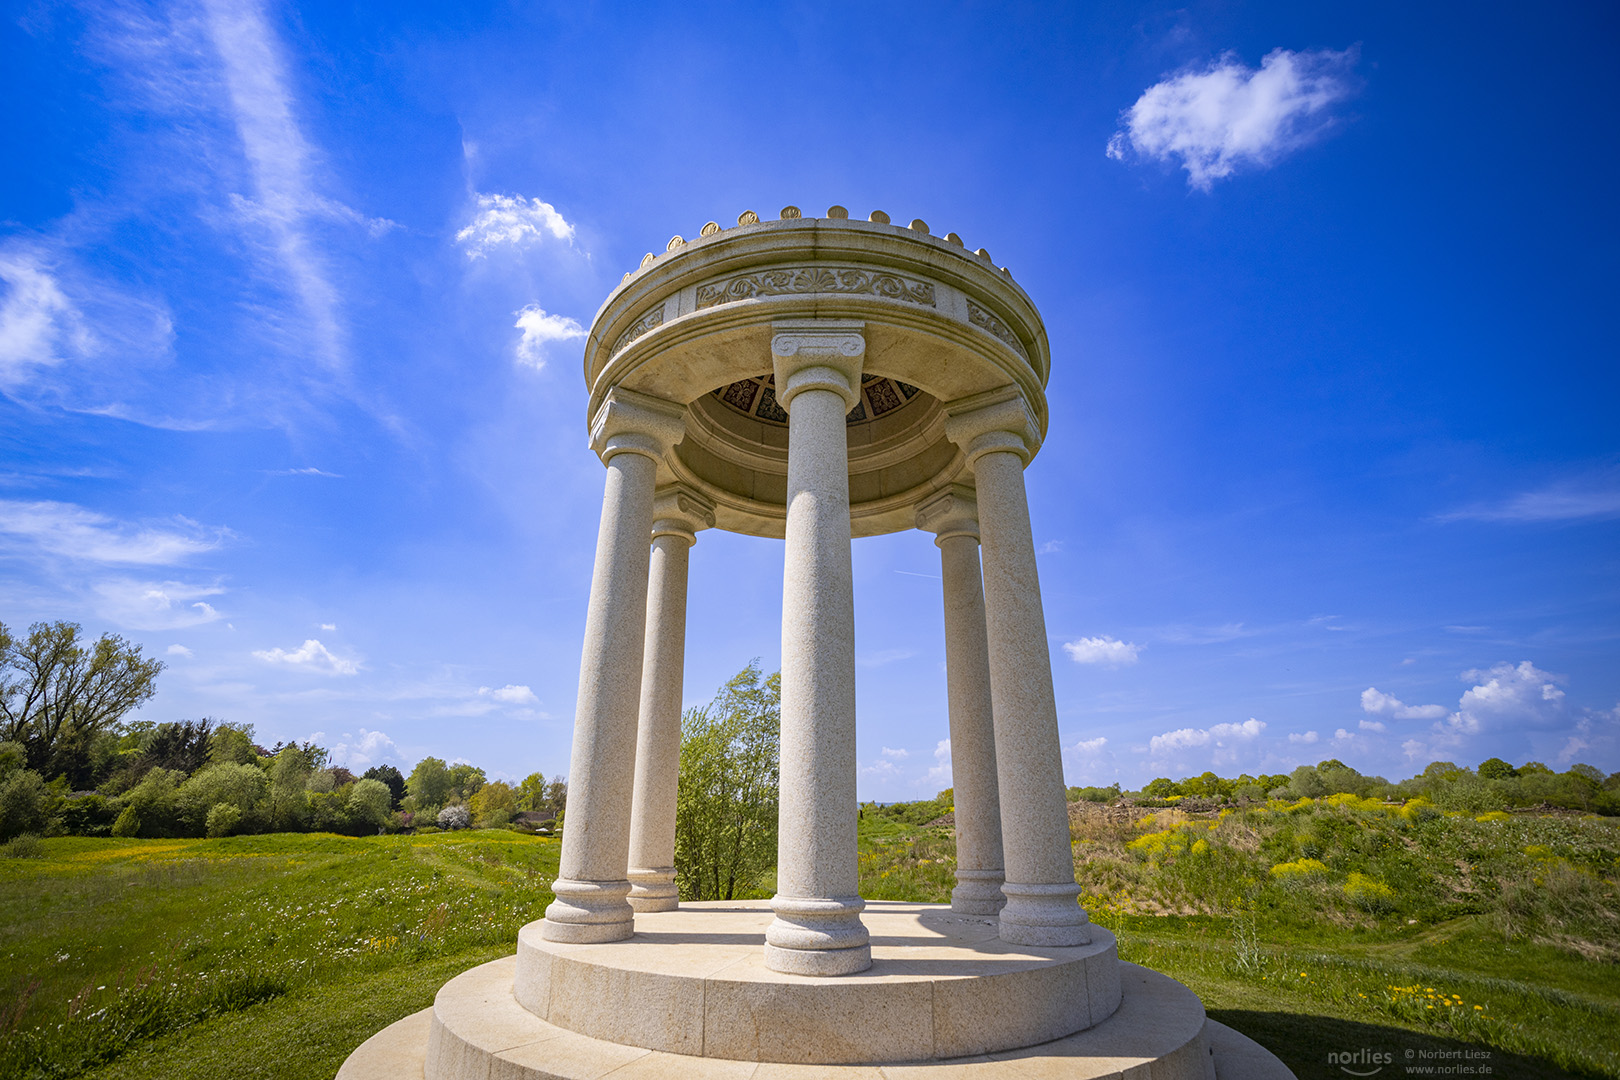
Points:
[(634, 423), (818, 354), (678, 510), (953, 512), (994, 421)]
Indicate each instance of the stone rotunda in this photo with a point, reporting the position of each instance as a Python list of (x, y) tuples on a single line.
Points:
[(814, 380)]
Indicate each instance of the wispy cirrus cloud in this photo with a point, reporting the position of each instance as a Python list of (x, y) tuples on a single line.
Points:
[(156, 605), (1226, 116), (1594, 497), (69, 531)]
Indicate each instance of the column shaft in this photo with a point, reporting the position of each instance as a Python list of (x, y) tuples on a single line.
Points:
[(979, 872), (1040, 886), (658, 742), (592, 885), (817, 930)]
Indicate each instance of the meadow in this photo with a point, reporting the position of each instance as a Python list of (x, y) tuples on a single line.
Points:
[(1401, 929)]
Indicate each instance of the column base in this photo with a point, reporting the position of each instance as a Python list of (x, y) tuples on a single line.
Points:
[(817, 936), (821, 962), (654, 889), (978, 892), (1044, 916), (588, 912)]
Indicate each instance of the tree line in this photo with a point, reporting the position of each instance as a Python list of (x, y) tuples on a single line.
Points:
[(71, 764)]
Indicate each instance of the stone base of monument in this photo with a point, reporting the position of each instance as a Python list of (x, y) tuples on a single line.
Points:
[(689, 996)]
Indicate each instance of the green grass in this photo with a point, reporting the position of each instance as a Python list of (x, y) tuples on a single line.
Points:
[(249, 956), (275, 956)]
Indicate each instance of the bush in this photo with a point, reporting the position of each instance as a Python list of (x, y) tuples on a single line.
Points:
[(156, 801), (222, 819), (128, 823), (1368, 893), (25, 846), (24, 803), (493, 805), (243, 786), (455, 817)]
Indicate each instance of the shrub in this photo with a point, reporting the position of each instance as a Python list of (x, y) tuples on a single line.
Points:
[(243, 786), (24, 803), (156, 801), (369, 802), (455, 817), (1368, 893), (1299, 872), (222, 819), (25, 846), (128, 823), (493, 805)]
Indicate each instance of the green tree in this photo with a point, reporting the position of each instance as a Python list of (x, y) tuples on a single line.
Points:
[(493, 805), (370, 802), (429, 783), (465, 780), (25, 803), (57, 694), (232, 743), (242, 786), (390, 776), (726, 811)]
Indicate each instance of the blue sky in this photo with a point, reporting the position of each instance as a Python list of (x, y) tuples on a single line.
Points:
[(290, 384)]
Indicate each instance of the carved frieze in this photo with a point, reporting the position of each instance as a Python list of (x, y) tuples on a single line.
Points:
[(816, 279), (653, 318), (986, 321)]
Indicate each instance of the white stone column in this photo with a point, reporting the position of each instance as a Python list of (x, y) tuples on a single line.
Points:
[(678, 514), (999, 435), (631, 433), (954, 517), (818, 929)]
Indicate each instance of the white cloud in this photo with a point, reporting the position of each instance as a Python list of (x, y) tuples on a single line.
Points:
[(510, 695), (328, 626), (1091, 746), (1413, 749), (312, 656), (1307, 738), (1182, 634), (1215, 120), (39, 326), (309, 470), (1051, 547), (359, 753), (178, 650), (1590, 498), (515, 221), (885, 657), (1378, 703), (1506, 696), (72, 532), (1110, 652), (539, 330), (1371, 725), (892, 753), (1342, 736), (939, 776), (155, 605), (1219, 734)]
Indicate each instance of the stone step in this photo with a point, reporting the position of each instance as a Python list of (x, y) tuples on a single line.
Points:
[(476, 1030)]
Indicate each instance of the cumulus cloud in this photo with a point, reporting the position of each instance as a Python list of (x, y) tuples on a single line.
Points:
[(310, 656), (1378, 703), (506, 220), (1110, 652), (1228, 115), (510, 695), (358, 753), (892, 753), (73, 532), (1506, 695), (328, 626), (1305, 738), (1219, 734), (939, 775), (539, 330), (178, 650), (1091, 746), (1371, 725), (155, 605)]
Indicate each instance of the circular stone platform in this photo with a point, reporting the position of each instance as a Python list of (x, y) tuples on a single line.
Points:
[(941, 985)]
